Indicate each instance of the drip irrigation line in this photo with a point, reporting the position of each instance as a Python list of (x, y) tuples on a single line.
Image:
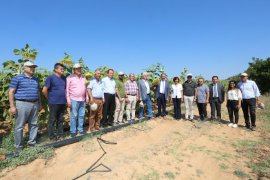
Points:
[(94, 166)]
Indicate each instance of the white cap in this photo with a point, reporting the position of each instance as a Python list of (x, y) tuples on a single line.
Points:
[(244, 74), (145, 73), (93, 107), (120, 73), (76, 66), (29, 64), (189, 74)]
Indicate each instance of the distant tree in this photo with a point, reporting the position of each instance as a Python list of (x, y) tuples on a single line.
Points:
[(259, 71)]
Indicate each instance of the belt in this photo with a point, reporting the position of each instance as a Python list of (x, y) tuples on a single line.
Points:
[(98, 98), (149, 94), (132, 94), (27, 100)]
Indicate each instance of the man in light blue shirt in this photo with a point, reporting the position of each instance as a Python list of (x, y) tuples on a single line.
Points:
[(109, 85), (95, 91), (250, 93)]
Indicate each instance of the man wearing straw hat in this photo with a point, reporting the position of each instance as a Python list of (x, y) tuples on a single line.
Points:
[(76, 98)]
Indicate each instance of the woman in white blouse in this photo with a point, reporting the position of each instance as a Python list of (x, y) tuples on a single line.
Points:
[(176, 97), (234, 97)]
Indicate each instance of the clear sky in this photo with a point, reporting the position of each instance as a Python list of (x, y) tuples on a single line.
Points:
[(209, 37)]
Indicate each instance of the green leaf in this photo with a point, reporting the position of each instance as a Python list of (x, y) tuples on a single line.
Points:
[(27, 47), (8, 63), (16, 51)]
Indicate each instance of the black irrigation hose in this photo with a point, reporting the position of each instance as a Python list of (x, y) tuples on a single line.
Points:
[(77, 138), (93, 167)]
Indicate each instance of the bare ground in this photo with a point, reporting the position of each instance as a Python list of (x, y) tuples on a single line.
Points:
[(157, 149)]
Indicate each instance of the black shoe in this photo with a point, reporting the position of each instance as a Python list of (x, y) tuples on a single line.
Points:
[(110, 124), (247, 126), (31, 145), (82, 133), (72, 135)]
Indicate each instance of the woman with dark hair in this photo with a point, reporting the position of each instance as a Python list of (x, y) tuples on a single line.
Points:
[(177, 89), (234, 98)]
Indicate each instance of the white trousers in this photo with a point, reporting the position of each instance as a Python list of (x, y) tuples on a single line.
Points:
[(188, 101)]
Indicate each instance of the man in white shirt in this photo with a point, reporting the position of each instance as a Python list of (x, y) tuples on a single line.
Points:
[(162, 95), (250, 94), (109, 85)]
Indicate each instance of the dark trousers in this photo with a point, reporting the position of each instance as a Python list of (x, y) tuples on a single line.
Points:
[(177, 107), (249, 108), (108, 109), (161, 100), (202, 110), (215, 106), (56, 118), (233, 110)]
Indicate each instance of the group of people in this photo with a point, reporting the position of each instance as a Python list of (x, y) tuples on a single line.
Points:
[(108, 97)]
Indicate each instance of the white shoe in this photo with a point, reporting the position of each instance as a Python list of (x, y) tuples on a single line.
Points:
[(230, 124), (235, 126)]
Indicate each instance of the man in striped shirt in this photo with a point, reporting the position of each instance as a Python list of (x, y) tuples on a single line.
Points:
[(24, 89), (133, 96)]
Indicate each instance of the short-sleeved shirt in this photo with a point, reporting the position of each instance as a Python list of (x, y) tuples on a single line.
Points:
[(121, 88), (56, 89), (202, 93), (96, 88), (189, 88), (26, 88)]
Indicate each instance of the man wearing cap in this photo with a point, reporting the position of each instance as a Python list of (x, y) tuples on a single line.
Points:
[(133, 96), (109, 95), (24, 89), (250, 94), (189, 94), (216, 98), (76, 98), (145, 96), (162, 95), (55, 91), (95, 91), (120, 99)]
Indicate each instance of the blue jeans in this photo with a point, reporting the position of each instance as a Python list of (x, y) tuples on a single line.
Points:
[(148, 102), (77, 112), (26, 112)]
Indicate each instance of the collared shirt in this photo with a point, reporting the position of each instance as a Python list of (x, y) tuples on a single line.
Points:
[(215, 91), (131, 87), (120, 85), (109, 85), (249, 89), (176, 91), (76, 88), (147, 86), (189, 88), (162, 87), (97, 88), (202, 93), (26, 87), (56, 89), (234, 94)]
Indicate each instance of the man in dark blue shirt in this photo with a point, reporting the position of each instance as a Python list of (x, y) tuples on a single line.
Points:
[(55, 91), (24, 88)]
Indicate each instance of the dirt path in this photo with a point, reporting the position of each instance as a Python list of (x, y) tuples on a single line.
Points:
[(158, 149)]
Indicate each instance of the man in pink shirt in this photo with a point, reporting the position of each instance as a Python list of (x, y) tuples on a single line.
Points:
[(76, 98)]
